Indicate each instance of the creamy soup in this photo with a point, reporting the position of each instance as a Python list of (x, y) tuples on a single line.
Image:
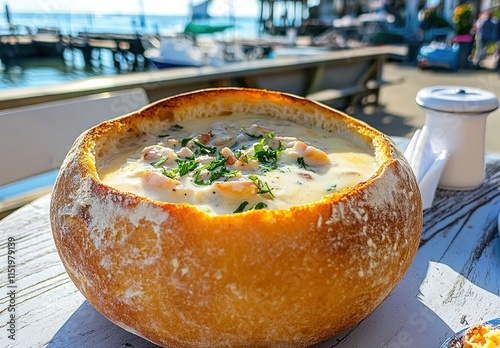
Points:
[(228, 166)]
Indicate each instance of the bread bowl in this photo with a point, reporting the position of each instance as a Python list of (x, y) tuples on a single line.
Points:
[(181, 276)]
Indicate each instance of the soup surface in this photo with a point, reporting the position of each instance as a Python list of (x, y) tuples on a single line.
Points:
[(227, 166)]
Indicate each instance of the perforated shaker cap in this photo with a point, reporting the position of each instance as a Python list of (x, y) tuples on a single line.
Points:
[(457, 99)]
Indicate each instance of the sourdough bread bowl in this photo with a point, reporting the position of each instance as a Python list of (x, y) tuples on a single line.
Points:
[(180, 276)]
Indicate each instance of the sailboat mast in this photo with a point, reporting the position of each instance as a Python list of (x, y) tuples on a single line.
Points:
[(142, 17)]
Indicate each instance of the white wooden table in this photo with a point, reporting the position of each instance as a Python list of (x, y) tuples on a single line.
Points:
[(454, 281)]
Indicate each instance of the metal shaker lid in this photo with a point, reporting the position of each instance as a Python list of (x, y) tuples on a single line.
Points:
[(457, 99)]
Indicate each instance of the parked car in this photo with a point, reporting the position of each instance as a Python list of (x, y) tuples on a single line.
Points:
[(439, 55)]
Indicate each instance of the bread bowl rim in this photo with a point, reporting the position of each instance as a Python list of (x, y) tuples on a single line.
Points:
[(381, 145)]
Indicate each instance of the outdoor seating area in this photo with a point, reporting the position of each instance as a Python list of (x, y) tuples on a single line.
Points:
[(452, 284)]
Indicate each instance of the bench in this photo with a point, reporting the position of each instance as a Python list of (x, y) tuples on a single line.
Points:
[(358, 91)]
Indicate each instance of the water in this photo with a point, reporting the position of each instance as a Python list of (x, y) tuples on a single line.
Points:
[(124, 24), (49, 71)]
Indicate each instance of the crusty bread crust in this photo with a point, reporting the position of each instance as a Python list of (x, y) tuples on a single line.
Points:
[(265, 278)]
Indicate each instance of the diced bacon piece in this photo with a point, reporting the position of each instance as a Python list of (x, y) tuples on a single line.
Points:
[(305, 176), (229, 155), (204, 138)]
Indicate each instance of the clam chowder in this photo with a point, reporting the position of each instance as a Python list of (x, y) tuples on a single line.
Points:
[(232, 165)]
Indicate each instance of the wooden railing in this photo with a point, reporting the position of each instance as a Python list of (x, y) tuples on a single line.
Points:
[(339, 77)]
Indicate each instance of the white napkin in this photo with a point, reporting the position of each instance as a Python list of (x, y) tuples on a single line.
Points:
[(427, 164)]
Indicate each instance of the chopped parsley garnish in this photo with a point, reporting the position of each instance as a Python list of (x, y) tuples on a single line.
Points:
[(231, 174), (215, 164), (241, 207), (184, 166), (262, 186), (185, 141), (258, 206), (265, 154), (302, 164), (217, 174), (216, 170), (332, 188), (204, 149), (160, 161), (251, 136), (169, 173)]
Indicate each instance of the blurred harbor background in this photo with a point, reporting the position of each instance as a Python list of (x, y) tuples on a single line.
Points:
[(69, 40), (67, 64)]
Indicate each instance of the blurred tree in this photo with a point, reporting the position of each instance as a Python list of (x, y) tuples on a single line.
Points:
[(463, 18)]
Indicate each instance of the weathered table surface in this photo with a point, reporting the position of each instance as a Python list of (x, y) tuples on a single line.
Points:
[(453, 282)]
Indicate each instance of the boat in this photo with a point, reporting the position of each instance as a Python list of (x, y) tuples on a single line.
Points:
[(184, 49), (204, 28)]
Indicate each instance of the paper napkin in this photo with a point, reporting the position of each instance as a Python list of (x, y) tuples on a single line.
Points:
[(427, 164)]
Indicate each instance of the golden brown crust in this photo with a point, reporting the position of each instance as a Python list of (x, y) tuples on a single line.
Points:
[(286, 278)]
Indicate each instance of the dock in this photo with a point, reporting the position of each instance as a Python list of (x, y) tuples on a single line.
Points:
[(52, 43)]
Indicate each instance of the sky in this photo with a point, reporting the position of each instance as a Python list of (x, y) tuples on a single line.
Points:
[(159, 7)]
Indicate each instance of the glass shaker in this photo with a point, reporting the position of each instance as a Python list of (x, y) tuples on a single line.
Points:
[(456, 120)]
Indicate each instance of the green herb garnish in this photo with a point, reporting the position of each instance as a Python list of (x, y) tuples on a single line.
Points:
[(262, 186), (204, 149), (160, 161), (332, 188), (251, 136), (265, 154), (231, 174), (169, 173), (186, 165), (302, 164), (260, 205), (197, 180), (241, 207), (216, 169), (185, 141)]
